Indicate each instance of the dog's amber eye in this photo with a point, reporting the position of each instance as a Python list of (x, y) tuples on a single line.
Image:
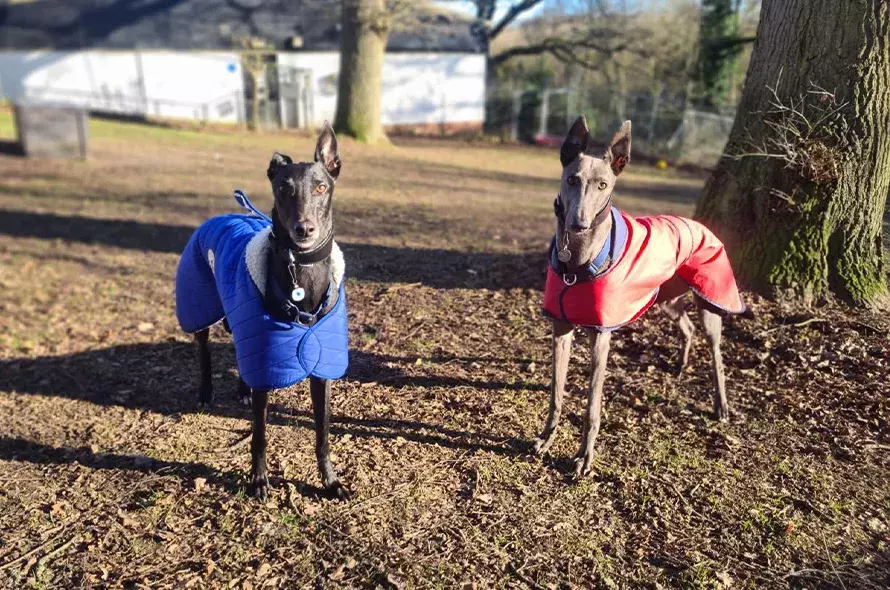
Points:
[(321, 188), (572, 180), (603, 185)]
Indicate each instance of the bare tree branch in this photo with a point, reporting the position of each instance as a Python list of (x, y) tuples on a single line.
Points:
[(512, 13)]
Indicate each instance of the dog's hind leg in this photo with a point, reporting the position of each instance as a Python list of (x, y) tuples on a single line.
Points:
[(320, 390), (676, 310), (590, 427), (243, 393), (562, 351), (713, 325), (259, 478), (205, 391)]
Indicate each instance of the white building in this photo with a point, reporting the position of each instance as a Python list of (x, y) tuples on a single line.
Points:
[(173, 59)]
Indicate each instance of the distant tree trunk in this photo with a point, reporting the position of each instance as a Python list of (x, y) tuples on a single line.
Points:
[(254, 121), (801, 212), (366, 26)]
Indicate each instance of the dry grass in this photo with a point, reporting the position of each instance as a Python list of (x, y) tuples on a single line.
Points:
[(112, 479)]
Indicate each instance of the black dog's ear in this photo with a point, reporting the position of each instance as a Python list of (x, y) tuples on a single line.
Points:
[(326, 151), (618, 153), (278, 162), (575, 143)]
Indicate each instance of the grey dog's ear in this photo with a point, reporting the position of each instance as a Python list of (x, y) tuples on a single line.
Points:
[(618, 152), (278, 162), (326, 151), (575, 143)]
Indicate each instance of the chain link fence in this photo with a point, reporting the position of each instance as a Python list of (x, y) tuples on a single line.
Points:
[(663, 126)]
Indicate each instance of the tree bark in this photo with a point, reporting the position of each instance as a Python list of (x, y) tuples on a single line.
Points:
[(366, 27), (802, 215)]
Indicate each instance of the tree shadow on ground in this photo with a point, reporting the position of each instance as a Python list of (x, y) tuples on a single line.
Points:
[(455, 179), (19, 449), (438, 268), (162, 378)]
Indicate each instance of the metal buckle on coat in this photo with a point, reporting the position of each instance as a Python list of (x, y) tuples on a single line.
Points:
[(565, 279)]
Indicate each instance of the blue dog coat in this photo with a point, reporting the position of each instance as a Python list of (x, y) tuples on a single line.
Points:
[(223, 273)]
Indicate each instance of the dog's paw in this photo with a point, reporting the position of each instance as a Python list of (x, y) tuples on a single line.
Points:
[(205, 397), (541, 445), (259, 487), (338, 491), (582, 466)]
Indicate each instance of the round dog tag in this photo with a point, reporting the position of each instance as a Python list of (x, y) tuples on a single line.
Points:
[(298, 294), (564, 255)]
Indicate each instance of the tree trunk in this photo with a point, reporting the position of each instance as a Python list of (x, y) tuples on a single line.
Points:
[(363, 43), (800, 192)]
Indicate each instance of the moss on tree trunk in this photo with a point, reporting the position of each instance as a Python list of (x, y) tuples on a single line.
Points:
[(800, 194), (363, 43)]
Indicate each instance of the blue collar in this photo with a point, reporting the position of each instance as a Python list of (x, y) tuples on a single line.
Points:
[(610, 252), (614, 246)]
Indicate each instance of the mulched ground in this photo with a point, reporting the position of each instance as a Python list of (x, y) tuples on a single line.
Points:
[(112, 478)]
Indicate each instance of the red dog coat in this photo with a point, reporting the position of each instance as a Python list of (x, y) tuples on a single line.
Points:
[(656, 253)]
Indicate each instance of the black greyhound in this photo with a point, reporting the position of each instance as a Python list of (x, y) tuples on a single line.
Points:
[(305, 268)]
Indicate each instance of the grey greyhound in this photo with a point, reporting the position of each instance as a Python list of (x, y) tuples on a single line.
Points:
[(279, 284), (607, 268)]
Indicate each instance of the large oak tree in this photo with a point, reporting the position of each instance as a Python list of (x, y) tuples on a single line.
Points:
[(801, 190)]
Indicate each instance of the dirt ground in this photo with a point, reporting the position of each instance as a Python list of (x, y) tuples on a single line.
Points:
[(112, 478)]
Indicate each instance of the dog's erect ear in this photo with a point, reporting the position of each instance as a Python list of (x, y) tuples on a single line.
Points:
[(575, 143), (326, 150), (278, 162), (618, 153)]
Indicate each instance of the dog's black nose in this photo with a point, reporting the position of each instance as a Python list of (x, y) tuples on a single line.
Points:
[(304, 229), (577, 227)]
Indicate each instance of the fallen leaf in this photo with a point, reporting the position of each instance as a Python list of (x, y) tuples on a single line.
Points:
[(58, 508), (876, 525), (725, 579), (484, 498), (396, 581), (337, 574)]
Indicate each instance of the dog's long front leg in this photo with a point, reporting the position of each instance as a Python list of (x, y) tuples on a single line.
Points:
[(320, 389), (259, 478), (562, 350), (599, 353)]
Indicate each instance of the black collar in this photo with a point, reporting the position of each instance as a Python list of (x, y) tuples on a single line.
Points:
[(304, 257), (278, 300)]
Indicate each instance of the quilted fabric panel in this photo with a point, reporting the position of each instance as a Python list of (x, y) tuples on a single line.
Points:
[(213, 281)]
